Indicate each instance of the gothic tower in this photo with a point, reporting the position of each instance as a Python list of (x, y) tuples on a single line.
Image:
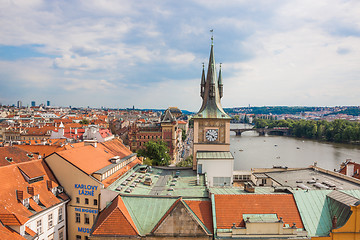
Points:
[(211, 152)]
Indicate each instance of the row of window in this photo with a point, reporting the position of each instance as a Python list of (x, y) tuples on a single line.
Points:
[(78, 237), (86, 218), (87, 201), (39, 225), (149, 137)]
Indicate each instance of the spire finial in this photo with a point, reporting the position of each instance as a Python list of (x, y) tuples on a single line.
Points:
[(203, 65), (220, 65), (212, 36)]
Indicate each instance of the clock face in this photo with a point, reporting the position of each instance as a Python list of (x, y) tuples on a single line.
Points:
[(211, 135)]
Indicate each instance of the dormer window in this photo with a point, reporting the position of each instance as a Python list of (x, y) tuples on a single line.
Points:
[(9, 159), (54, 190), (36, 198), (26, 202)]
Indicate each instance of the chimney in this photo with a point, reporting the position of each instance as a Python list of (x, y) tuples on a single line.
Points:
[(334, 222)]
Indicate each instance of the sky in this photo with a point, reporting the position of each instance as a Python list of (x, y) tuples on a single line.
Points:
[(149, 54)]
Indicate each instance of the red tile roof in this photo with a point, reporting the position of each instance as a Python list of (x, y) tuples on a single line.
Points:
[(90, 159), (7, 233), (12, 181), (202, 210), (115, 220), (17, 154), (230, 208)]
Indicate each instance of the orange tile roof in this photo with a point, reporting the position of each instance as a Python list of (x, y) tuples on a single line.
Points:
[(115, 220), (230, 208), (12, 180), (32, 171), (202, 210), (43, 150), (90, 159), (7, 233), (18, 155), (30, 232)]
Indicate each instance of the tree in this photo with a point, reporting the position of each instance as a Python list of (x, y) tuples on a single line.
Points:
[(84, 122), (157, 152), (183, 135), (188, 162)]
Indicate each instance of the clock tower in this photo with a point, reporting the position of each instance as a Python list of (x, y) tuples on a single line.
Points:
[(211, 151)]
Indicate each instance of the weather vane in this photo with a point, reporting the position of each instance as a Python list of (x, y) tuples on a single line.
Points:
[(212, 36)]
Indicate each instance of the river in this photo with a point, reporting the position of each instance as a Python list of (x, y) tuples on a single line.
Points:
[(253, 151)]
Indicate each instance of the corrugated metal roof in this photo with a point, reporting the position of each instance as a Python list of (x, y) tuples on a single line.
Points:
[(214, 155), (343, 198)]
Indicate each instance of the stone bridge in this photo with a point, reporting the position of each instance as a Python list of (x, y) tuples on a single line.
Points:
[(262, 131)]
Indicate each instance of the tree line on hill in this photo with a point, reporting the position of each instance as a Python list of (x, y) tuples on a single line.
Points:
[(341, 131)]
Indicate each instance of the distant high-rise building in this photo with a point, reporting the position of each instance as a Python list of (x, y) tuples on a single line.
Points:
[(48, 103), (19, 104), (33, 103)]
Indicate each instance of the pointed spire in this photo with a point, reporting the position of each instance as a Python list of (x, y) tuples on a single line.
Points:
[(212, 91), (202, 86), (220, 82)]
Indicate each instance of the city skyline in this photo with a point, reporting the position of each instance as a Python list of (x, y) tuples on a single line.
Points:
[(149, 54)]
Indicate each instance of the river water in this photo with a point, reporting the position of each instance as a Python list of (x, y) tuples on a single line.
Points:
[(253, 151)]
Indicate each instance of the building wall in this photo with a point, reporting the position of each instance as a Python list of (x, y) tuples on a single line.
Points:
[(50, 232), (77, 184), (208, 147), (217, 168)]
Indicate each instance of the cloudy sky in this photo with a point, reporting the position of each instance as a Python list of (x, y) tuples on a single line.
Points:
[(149, 53)]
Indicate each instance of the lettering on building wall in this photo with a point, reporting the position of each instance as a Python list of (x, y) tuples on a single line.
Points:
[(84, 230), (86, 210), (86, 189)]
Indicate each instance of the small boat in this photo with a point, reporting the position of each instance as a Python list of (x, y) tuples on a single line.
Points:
[(241, 150), (297, 148), (275, 145), (278, 157)]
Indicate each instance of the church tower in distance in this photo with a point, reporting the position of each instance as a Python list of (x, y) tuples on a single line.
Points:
[(211, 150)]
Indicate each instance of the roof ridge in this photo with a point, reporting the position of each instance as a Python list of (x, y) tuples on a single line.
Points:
[(166, 214)]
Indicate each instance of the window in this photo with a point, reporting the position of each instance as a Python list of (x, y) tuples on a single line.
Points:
[(221, 181), (78, 237), (77, 200), (77, 216), (61, 234), (87, 219), (38, 227), (95, 202), (60, 214), (86, 238), (86, 201), (50, 220)]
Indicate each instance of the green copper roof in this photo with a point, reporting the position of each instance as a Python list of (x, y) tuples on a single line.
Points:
[(261, 218), (211, 106), (318, 207), (214, 155), (146, 212)]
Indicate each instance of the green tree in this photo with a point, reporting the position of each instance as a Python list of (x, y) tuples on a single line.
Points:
[(183, 136), (84, 122), (188, 162), (157, 152)]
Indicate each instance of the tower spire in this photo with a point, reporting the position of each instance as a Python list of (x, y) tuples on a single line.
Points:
[(220, 83), (211, 91), (202, 86)]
